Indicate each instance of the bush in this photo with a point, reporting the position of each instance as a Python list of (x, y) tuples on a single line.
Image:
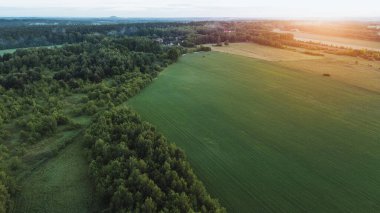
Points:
[(312, 53), (14, 163), (204, 49), (89, 108), (173, 54), (37, 127), (62, 119)]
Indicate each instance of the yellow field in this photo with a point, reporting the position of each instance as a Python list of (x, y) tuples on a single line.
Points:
[(336, 41), (263, 52), (365, 74), (362, 75)]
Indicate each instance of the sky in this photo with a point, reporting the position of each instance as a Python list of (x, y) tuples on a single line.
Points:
[(191, 8)]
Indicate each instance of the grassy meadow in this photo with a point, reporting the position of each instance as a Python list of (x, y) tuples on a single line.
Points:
[(267, 53), (62, 184), (54, 174), (267, 138)]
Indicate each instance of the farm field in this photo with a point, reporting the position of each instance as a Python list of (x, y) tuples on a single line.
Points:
[(336, 41), (354, 71), (267, 138), (267, 53)]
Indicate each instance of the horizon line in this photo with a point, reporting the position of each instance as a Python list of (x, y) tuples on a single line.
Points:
[(198, 17)]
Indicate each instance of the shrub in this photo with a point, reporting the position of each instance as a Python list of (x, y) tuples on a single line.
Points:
[(204, 49)]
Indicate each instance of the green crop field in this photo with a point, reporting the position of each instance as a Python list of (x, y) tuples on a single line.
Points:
[(265, 138)]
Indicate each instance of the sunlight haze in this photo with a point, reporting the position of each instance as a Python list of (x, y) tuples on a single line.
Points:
[(194, 8)]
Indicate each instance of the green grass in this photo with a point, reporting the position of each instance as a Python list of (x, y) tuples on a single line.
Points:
[(264, 138), (60, 185), (54, 176)]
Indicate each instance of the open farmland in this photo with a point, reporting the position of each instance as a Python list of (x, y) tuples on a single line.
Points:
[(335, 41), (267, 53), (266, 138), (353, 71)]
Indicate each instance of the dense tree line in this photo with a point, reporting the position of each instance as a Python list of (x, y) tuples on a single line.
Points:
[(33, 36), (34, 102), (96, 58), (32, 81), (61, 21), (136, 169), (185, 34)]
